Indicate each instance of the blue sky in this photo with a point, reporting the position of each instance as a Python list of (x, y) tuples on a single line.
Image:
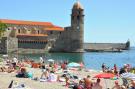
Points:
[(105, 20)]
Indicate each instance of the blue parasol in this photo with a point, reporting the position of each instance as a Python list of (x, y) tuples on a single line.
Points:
[(73, 64)]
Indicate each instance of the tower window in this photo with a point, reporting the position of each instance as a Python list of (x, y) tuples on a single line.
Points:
[(79, 12), (78, 17), (72, 17)]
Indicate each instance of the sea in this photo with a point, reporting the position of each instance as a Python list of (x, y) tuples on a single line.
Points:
[(91, 60)]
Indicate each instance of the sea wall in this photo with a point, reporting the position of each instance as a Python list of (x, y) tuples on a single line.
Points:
[(105, 46)]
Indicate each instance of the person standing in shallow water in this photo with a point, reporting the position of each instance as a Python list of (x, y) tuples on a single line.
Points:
[(103, 67), (115, 69)]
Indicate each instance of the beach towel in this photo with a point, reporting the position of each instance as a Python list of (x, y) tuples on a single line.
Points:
[(43, 80), (17, 85), (52, 77)]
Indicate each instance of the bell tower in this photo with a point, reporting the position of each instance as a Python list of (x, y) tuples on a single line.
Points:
[(77, 27), (72, 38)]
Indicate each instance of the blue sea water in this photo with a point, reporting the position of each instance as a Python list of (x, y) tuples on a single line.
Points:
[(95, 60), (92, 60)]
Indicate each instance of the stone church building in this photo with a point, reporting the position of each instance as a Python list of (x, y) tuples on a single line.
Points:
[(38, 37)]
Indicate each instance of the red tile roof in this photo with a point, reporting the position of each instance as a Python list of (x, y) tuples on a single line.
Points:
[(47, 25), (25, 22), (54, 28)]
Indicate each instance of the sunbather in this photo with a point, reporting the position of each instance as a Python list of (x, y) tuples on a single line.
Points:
[(4, 69), (22, 73), (45, 74)]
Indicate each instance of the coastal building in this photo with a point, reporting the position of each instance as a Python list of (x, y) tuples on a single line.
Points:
[(38, 37)]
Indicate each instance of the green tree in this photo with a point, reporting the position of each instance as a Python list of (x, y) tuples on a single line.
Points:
[(3, 27)]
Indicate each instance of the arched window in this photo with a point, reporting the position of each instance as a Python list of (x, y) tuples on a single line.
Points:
[(38, 31), (72, 17), (19, 30)]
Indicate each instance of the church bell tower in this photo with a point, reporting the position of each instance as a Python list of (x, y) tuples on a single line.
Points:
[(77, 26)]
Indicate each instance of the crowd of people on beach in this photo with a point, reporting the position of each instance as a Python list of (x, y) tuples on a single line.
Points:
[(50, 73), (118, 72)]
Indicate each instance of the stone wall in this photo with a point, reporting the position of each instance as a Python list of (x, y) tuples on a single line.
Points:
[(3, 45), (14, 29), (8, 45), (29, 51), (68, 41), (104, 46), (12, 45)]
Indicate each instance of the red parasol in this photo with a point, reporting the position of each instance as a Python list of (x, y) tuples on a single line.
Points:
[(105, 75)]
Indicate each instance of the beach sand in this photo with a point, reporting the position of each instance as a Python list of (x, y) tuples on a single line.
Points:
[(5, 79)]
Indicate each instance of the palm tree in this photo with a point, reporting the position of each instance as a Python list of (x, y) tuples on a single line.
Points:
[(3, 27)]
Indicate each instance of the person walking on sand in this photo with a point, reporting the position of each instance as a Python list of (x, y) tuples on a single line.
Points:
[(97, 85)]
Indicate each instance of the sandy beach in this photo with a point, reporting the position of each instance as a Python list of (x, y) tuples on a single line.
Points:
[(5, 79)]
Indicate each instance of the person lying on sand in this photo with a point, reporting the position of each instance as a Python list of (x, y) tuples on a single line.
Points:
[(8, 70)]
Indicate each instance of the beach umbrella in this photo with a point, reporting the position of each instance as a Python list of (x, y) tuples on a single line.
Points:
[(105, 75), (73, 64), (50, 60), (128, 75)]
